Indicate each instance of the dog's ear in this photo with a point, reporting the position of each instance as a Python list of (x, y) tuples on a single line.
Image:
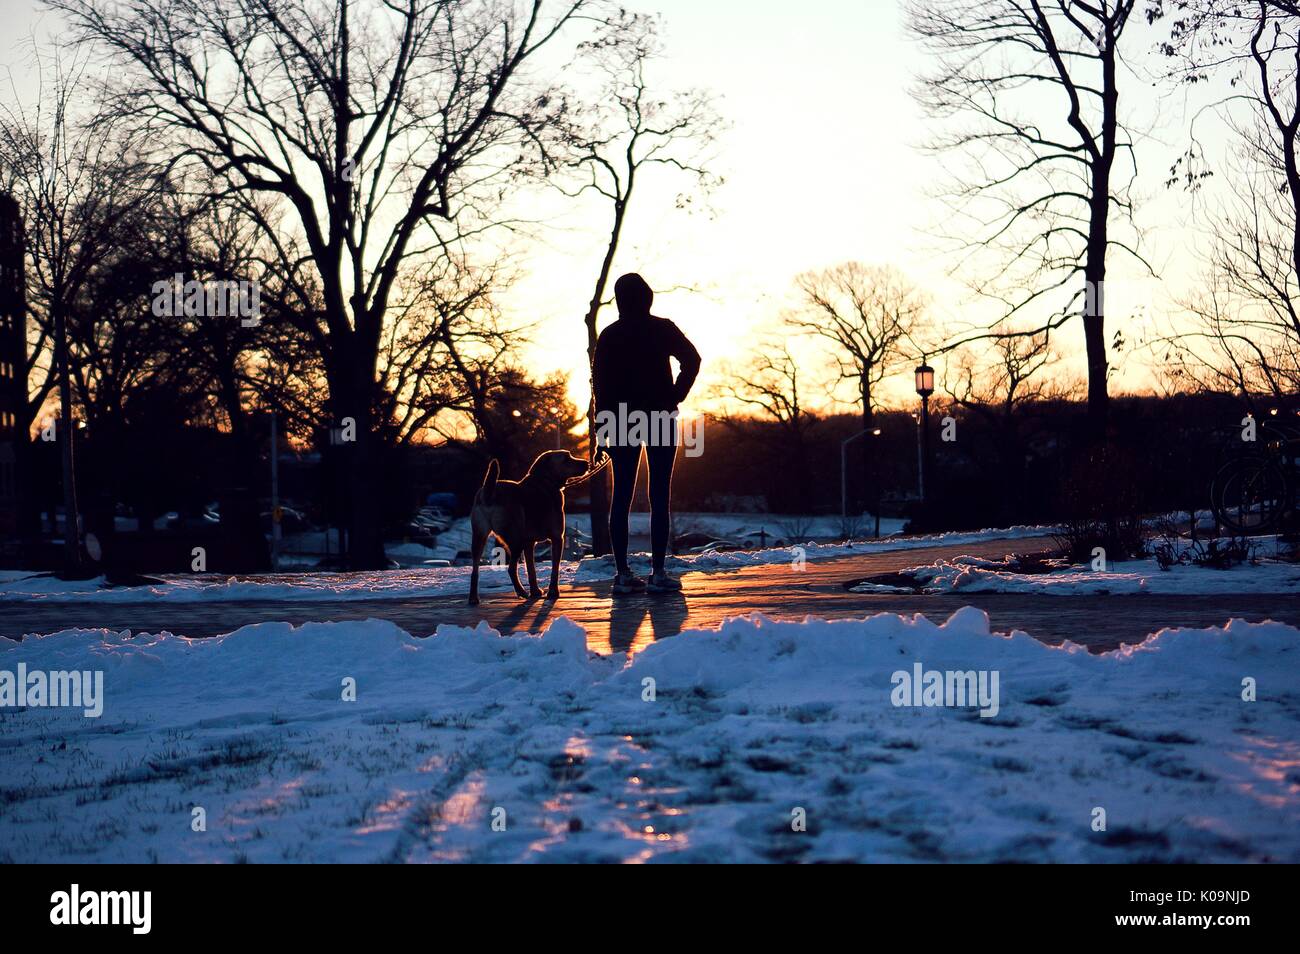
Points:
[(549, 466)]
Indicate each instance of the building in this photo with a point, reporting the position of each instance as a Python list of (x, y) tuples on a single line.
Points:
[(13, 379)]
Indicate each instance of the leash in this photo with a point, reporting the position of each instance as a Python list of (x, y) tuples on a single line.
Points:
[(593, 470)]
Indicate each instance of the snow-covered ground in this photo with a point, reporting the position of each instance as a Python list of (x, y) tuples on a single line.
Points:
[(303, 551), (748, 729), (445, 581), (976, 575)]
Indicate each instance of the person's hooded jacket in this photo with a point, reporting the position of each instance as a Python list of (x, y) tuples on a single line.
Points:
[(631, 365)]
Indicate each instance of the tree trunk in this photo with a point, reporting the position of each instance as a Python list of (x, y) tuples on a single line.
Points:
[(351, 397), (598, 486), (598, 490), (1098, 398), (1094, 319), (1094, 323), (365, 530)]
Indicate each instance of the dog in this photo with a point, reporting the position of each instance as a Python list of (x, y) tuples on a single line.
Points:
[(521, 514)]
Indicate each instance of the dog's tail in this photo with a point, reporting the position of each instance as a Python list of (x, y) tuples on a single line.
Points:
[(490, 481)]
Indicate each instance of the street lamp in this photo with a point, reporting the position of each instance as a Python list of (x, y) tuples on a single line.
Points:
[(924, 387), (844, 467)]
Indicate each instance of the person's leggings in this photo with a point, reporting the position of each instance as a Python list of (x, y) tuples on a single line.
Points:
[(625, 463)]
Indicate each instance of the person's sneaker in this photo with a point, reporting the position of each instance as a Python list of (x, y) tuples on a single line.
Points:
[(661, 582), (629, 583)]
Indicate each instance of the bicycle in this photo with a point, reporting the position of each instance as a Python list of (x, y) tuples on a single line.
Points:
[(1255, 490)]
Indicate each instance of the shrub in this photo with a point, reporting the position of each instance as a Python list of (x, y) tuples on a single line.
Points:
[(1102, 505), (1219, 553)]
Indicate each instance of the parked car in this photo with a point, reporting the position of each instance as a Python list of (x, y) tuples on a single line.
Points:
[(418, 533), (718, 546), (761, 538), (291, 521), (446, 502), (434, 522), (174, 521), (685, 541), (577, 544)]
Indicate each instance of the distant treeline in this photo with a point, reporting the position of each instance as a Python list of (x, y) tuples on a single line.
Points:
[(999, 470), (996, 471)]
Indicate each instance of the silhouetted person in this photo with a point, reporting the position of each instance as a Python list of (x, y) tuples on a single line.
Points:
[(633, 384)]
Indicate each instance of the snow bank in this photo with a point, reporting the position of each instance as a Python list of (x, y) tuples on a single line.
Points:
[(704, 747), (380, 584), (603, 568), (975, 575)]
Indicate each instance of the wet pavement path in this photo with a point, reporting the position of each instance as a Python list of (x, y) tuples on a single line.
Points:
[(631, 622)]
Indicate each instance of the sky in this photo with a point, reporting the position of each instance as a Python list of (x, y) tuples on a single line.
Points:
[(822, 164), (817, 162)]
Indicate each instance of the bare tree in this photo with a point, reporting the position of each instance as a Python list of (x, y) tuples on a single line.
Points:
[(511, 415), (632, 130), (452, 366), (76, 177), (769, 388), (1011, 378), (865, 314), (449, 336), (1038, 195), (376, 126), (1245, 335), (213, 241)]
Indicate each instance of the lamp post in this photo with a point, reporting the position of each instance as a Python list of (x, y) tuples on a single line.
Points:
[(276, 513), (916, 419), (844, 468), (924, 387), (67, 437)]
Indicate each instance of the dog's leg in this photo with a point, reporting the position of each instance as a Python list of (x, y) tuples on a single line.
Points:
[(557, 547), (514, 572), (534, 591), (478, 538)]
